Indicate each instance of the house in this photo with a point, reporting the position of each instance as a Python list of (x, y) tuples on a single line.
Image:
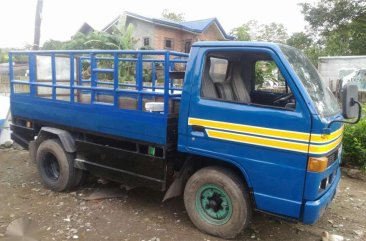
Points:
[(154, 33), (86, 28)]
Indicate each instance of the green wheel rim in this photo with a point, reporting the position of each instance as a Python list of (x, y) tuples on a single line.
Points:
[(213, 204)]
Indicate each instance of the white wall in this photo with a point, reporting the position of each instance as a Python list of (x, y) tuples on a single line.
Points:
[(5, 114), (141, 30), (329, 67)]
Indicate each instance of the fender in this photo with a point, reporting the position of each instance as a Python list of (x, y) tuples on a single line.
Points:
[(65, 137), (222, 159)]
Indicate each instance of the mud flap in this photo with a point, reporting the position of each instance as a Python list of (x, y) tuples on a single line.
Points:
[(176, 188), (32, 151)]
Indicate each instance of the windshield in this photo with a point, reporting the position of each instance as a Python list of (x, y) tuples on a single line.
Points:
[(325, 102)]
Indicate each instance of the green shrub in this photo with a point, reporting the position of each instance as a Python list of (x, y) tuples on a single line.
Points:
[(354, 144)]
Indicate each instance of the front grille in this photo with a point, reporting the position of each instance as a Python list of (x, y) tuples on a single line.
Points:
[(332, 157)]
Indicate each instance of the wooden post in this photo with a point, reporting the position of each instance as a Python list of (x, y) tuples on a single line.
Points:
[(37, 25)]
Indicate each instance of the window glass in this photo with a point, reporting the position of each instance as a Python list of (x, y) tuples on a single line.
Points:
[(325, 102), (268, 78), (146, 41), (187, 46), (168, 43), (246, 78)]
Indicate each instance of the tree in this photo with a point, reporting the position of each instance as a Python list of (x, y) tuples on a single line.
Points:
[(120, 38), (37, 25), (3, 56), (307, 45), (299, 40), (177, 17), (340, 25), (273, 32), (252, 30), (52, 44), (241, 33), (328, 15)]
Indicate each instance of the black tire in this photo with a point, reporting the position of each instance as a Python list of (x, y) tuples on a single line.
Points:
[(56, 166), (234, 221)]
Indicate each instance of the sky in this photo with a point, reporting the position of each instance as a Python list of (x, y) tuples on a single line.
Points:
[(62, 18)]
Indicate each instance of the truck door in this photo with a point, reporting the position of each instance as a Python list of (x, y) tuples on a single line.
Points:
[(249, 112)]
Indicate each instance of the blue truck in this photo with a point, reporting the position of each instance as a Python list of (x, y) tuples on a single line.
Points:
[(233, 126)]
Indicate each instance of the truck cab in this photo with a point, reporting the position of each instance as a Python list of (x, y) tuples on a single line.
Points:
[(249, 126), (263, 108)]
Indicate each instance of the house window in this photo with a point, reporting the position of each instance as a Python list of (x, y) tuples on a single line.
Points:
[(168, 43), (187, 46), (147, 41)]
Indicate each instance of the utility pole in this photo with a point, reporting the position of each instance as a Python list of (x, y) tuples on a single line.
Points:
[(37, 25)]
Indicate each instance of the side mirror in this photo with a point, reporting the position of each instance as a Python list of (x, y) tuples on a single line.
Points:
[(349, 99), (351, 107)]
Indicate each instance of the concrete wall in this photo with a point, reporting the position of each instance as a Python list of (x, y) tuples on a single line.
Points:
[(329, 67), (141, 30)]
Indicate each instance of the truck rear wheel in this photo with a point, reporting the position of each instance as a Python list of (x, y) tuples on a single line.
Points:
[(56, 166), (217, 202)]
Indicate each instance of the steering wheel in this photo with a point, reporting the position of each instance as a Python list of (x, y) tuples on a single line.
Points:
[(283, 98)]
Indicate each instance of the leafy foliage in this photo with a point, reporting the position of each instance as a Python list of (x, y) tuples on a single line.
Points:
[(264, 70), (336, 27), (177, 17), (3, 56), (254, 31), (328, 15), (241, 33), (339, 25), (354, 144), (120, 38), (273, 32)]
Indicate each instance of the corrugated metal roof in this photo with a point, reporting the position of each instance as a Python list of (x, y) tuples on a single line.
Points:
[(197, 26)]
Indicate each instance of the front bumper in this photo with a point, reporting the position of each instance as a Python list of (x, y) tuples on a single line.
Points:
[(314, 209)]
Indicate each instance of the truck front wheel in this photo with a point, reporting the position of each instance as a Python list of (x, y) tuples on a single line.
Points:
[(56, 166), (217, 202)]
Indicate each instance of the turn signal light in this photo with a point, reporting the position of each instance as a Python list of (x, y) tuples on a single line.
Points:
[(317, 164)]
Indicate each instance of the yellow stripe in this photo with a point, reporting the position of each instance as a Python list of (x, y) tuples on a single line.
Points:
[(327, 138), (262, 131), (267, 132), (285, 145), (323, 149)]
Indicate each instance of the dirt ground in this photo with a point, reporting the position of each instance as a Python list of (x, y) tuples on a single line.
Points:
[(139, 214)]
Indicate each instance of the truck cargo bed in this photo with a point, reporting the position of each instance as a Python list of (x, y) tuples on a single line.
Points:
[(101, 92)]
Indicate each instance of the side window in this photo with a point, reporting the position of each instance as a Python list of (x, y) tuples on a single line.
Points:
[(268, 78), (247, 78), (270, 87)]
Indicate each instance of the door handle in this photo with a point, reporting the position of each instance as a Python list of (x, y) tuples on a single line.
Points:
[(198, 128)]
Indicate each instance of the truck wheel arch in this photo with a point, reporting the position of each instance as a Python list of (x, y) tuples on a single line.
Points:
[(65, 137), (45, 133), (234, 166), (190, 167)]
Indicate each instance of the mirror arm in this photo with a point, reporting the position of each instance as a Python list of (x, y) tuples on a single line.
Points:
[(353, 101)]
